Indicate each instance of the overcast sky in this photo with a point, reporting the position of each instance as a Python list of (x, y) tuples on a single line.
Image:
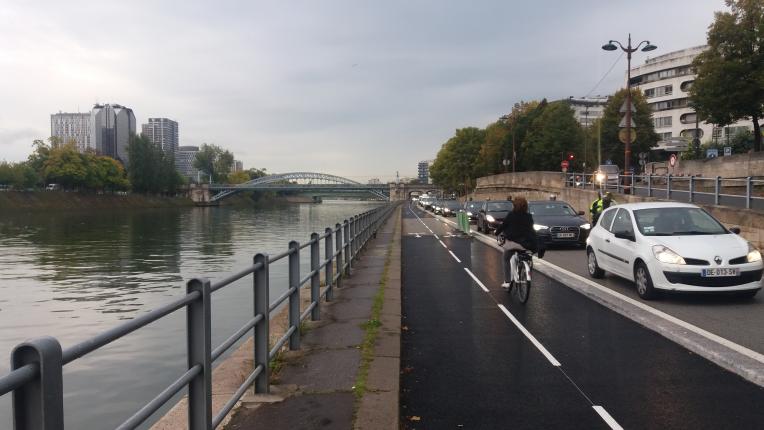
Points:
[(356, 88)]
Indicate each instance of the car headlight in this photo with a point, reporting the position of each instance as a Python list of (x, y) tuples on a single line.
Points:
[(446, 210), (586, 226), (753, 254), (469, 213), (666, 255), (600, 177), (538, 227), (490, 218)]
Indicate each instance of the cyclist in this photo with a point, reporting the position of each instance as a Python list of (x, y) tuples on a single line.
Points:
[(518, 231), (599, 205)]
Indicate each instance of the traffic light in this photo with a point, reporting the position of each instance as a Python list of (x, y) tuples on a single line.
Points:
[(571, 156)]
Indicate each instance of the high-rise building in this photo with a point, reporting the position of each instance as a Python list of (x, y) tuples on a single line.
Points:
[(163, 133), (423, 171), (72, 127), (184, 162), (111, 127), (666, 81), (588, 109), (237, 166)]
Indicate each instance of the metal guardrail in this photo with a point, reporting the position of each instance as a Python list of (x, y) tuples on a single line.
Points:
[(745, 192), (36, 378)]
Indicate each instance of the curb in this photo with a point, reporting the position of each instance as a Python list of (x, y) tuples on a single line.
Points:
[(732, 357)]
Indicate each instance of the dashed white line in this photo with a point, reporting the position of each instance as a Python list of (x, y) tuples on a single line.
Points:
[(530, 337), (607, 418), (436, 236), (454, 255), (474, 278), (444, 245)]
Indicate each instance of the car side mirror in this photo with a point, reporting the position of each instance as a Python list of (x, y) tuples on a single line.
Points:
[(581, 213), (625, 235), (735, 230)]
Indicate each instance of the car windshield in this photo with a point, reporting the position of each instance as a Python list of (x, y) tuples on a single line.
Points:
[(677, 222), (471, 206), (551, 209), (498, 206), (453, 204)]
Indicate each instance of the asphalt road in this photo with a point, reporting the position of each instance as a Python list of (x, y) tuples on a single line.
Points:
[(560, 361)]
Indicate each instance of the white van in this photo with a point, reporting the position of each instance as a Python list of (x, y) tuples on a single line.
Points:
[(53, 187), (607, 175)]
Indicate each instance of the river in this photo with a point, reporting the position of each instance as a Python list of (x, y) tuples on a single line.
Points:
[(73, 275)]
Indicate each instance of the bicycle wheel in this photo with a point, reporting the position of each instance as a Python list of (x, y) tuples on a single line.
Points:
[(523, 284)]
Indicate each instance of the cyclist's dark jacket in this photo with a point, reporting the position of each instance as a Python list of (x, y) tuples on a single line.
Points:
[(518, 227)]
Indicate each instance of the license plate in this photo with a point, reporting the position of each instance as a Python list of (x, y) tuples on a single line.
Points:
[(721, 271), (565, 235)]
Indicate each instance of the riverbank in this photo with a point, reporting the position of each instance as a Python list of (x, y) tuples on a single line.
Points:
[(60, 200)]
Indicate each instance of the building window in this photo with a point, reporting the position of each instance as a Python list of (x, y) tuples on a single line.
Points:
[(662, 91), (664, 136), (688, 118), (686, 85), (690, 133), (660, 122)]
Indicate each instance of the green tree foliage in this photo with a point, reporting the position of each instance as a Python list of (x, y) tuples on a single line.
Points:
[(238, 177), (66, 166), (612, 148), (456, 164), (730, 74), (151, 170), (492, 152), (552, 135), (17, 175), (214, 161), (256, 173)]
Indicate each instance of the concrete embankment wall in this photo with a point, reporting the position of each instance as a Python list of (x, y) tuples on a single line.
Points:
[(540, 185), (733, 166)]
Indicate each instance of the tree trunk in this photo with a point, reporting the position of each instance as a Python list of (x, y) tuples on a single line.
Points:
[(756, 134)]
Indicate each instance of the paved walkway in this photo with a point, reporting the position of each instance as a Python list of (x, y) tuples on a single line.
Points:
[(316, 387)]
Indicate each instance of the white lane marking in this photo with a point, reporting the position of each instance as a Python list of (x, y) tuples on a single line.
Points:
[(528, 334), (444, 245), (455, 257), (472, 275), (695, 329), (436, 236), (608, 419)]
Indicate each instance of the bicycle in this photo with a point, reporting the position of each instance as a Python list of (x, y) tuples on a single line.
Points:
[(524, 267)]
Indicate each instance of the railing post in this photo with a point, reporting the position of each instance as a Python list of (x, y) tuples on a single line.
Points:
[(668, 187), (352, 238), (650, 185), (717, 190), (348, 256), (340, 248), (329, 255), (692, 187), (262, 306), (748, 190), (39, 404), (632, 187), (294, 297), (198, 335), (315, 279)]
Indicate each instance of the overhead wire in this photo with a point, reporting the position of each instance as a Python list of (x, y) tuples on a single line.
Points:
[(605, 75)]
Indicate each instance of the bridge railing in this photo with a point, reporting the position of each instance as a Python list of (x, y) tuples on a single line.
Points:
[(742, 192), (36, 382)]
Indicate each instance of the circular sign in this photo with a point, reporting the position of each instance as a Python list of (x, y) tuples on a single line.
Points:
[(672, 160), (564, 164), (622, 135)]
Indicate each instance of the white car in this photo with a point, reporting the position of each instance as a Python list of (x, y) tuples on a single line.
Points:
[(673, 247)]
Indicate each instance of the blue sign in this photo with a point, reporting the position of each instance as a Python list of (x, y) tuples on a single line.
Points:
[(727, 151), (712, 153)]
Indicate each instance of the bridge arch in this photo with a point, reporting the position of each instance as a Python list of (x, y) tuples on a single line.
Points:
[(324, 178)]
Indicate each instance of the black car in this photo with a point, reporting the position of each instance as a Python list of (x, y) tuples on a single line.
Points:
[(450, 207), (556, 222), (492, 213), (472, 208)]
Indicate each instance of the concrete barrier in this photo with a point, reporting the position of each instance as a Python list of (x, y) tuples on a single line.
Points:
[(540, 185)]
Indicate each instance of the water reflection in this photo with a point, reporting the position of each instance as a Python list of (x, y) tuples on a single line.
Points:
[(73, 275)]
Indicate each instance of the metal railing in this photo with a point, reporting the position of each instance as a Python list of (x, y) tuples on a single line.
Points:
[(741, 192), (36, 380)]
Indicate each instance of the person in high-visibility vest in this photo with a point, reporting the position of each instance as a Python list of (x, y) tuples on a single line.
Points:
[(599, 205)]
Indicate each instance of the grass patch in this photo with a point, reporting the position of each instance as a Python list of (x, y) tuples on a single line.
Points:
[(276, 364)]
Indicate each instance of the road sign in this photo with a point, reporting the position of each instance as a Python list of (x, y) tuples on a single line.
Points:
[(624, 107), (622, 135), (727, 151), (642, 155), (641, 161), (622, 124), (712, 153), (564, 164), (672, 160)]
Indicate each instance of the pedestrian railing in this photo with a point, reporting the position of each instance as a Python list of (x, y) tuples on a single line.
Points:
[(36, 381), (742, 192)]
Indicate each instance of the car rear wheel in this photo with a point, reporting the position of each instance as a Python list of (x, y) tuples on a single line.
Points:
[(594, 268), (644, 282)]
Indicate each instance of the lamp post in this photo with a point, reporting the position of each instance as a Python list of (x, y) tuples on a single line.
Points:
[(628, 49), (505, 162)]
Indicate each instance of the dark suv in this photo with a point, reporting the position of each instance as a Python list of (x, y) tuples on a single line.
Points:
[(556, 222), (492, 214)]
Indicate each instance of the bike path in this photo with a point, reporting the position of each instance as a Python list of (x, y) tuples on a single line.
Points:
[(642, 379)]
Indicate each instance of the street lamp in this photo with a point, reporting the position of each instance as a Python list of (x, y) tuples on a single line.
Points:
[(628, 49), (505, 162)]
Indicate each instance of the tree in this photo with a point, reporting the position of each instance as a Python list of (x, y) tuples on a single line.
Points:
[(214, 161), (729, 85), (456, 162), (238, 177), (255, 173), (553, 134), (65, 166), (151, 170), (612, 148), (492, 154)]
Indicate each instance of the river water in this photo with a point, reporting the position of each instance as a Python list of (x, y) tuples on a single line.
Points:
[(73, 275)]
